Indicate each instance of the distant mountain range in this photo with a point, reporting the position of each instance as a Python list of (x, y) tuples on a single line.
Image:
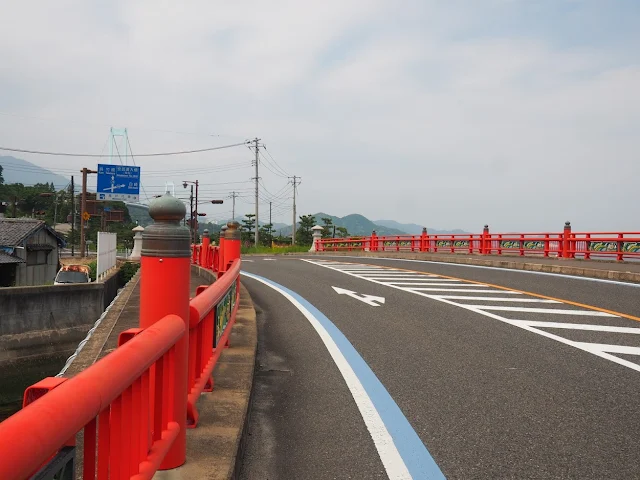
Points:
[(16, 170), (414, 229)]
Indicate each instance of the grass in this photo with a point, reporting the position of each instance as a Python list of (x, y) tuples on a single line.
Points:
[(274, 251)]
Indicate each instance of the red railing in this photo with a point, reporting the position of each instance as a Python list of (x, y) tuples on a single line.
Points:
[(122, 402), (212, 313), (567, 244), (125, 403)]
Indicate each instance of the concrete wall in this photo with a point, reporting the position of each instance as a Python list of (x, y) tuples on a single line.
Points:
[(25, 309)]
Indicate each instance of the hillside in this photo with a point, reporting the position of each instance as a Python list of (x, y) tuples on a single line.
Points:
[(16, 170), (415, 229), (357, 224)]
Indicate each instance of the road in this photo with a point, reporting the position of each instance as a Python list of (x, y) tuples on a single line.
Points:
[(460, 373)]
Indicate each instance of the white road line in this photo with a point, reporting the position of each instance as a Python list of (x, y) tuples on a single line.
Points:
[(603, 347), (461, 286), (594, 349), (422, 289), (498, 299), (400, 279), (555, 311), (580, 326), (391, 458)]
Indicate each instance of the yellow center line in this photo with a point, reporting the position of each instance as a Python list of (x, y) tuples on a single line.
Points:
[(538, 295)]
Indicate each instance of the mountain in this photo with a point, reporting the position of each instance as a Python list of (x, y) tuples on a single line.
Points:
[(357, 224), (139, 214), (16, 170), (415, 229)]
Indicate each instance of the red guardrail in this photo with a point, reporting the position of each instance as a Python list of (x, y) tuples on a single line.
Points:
[(212, 313), (134, 404), (567, 244), (126, 397)]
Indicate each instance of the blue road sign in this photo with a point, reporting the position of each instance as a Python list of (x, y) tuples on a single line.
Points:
[(118, 182)]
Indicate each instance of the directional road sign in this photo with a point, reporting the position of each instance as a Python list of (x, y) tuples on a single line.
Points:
[(118, 182)]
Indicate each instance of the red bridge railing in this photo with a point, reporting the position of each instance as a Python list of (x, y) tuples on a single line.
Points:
[(134, 405), (565, 244)]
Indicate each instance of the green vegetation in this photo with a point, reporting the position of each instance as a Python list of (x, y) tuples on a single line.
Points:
[(127, 271), (93, 270), (275, 250)]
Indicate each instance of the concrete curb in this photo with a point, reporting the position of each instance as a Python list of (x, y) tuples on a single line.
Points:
[(575, 270)]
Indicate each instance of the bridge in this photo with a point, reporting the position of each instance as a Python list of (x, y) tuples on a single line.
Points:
[(425, 357)]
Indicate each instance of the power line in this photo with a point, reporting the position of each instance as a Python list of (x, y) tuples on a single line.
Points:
[(275, 163), (159, 154)]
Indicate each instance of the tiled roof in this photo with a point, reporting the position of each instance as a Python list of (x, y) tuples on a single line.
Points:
[(5, 258), (13, 231)]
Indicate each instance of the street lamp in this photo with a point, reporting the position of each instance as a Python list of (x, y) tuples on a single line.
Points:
[(193, 217)]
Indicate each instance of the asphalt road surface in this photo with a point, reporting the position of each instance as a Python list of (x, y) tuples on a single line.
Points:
[(427, 370)]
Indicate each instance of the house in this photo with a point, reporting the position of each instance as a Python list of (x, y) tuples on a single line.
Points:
[(29, 252)]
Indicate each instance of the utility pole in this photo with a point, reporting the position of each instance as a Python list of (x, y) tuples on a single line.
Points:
[(73, 218), (233, 196), (83, 241), (296, 181), (257, 147), (270, 225), (191, 222), (195, 222)]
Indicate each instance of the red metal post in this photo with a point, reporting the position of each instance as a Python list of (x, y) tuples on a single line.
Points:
[(204, 249), (565, 240), (587, 248), (221, 267), (231, 243), (423, 240), (164, 290), (620, 243), (485, 247)]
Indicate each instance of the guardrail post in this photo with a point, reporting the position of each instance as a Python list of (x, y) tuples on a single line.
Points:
[(485, 247), (423, 240), (231, 243), (137, 243), (566, 240), (374, 242), (221, 265), (164, 289), (317, 236), (204, 249)]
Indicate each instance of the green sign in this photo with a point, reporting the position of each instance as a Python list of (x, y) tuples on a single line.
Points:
[(223, 312)]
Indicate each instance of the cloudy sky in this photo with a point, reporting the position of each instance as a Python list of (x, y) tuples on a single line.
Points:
[(448, 113)]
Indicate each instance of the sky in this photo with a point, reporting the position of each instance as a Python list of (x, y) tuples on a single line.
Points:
[(520, 114)]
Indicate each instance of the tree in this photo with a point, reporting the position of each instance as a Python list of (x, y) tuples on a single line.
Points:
[(342, 232), (266, 234), (304, 234), (247, 228), (328, 224), (1, 177)]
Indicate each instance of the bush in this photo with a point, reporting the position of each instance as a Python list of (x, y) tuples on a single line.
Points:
[(93, 270), (127, 271)]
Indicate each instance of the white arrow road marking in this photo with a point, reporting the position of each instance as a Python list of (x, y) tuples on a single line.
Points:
[(368, 299)]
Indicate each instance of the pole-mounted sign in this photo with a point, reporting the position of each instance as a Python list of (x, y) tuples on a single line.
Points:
[(118, 182)]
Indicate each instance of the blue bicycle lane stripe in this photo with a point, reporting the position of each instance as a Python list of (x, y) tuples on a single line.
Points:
[(414, 453)]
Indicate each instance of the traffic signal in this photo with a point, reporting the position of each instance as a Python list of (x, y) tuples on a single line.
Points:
[(217, 202)]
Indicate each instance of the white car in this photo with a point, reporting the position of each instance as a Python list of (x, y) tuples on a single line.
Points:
[(72, 274)]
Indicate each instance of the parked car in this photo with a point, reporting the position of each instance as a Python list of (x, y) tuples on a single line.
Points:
[(72, 274)]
